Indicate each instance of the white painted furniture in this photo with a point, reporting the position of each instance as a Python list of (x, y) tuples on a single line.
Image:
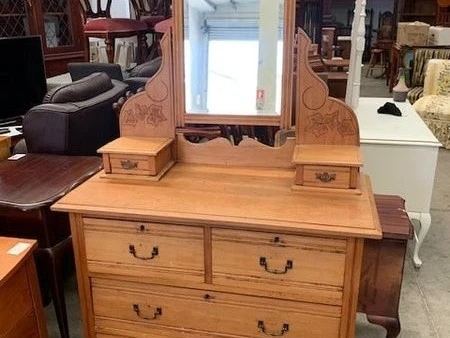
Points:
[(400, 155), (358, 43)]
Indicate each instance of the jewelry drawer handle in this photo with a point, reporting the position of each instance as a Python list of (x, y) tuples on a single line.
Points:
[(326, 177), (288, 266), (262, 327), (156, 313), (132, 250), (128, 165)]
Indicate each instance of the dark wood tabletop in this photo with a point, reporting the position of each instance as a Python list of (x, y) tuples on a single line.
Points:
[(38, 180)]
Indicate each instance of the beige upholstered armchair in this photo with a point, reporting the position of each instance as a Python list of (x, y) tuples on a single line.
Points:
[(434, 106)]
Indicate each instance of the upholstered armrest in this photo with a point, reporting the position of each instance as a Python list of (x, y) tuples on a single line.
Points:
[(134, 83), (146, 69), (414, 94)]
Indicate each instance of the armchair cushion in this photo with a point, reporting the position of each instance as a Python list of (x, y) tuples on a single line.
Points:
[(80, 90)]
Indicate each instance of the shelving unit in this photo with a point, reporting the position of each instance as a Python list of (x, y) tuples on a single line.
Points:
[(417, 10), (53, 20)]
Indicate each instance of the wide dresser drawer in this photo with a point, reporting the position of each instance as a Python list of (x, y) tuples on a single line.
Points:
[(144, 249), (287, 266), (148, 309)]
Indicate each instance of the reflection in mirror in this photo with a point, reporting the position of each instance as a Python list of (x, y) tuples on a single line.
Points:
[(233, 56), (233, 133), (334, 76)]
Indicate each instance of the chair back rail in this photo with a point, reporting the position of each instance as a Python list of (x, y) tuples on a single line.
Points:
[(151, 7), (89, 13)]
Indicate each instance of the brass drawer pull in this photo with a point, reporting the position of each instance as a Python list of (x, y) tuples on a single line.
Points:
[(154, 253), (288, 266), (128, 165), (326, 177), (262, 327), (156, 313)]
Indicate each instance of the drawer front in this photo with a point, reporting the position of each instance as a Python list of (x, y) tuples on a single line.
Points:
[(161, 306), (26, 328), (110, 328), (326, 176), (15, 301), (289, 266), (144, 249), (132, 164)]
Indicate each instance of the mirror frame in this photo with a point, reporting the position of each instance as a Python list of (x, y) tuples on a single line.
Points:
[(283, 120)]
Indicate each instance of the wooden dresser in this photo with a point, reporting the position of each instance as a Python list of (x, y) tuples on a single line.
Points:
[(217, 252), (232, 241), (21, 312)]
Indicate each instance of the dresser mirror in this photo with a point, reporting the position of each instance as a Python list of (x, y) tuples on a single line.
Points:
[(233, 61)]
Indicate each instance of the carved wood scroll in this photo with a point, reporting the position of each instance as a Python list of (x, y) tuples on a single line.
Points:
[(320, 119), (150, 113)]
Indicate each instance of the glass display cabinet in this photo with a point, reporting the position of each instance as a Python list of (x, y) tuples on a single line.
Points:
[(54, 20)]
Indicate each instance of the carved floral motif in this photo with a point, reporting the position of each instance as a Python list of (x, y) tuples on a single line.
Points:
[(151, 114), (320, 124)]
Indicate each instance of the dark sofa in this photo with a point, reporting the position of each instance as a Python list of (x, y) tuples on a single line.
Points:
[(75, 119)]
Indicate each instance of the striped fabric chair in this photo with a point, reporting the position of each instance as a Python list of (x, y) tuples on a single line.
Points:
[(421, 57)]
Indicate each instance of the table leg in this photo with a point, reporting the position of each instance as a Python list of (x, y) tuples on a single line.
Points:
[(54, 260), (425, 223)]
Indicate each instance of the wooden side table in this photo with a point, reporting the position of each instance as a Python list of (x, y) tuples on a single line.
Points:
[(339, 64), (382, 266), (28, 187), (21, 312)]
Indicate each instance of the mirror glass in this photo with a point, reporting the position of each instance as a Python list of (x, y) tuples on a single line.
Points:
[(233, 56)]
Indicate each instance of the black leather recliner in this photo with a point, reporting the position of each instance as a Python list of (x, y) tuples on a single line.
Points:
[(135, 79), (75, 119)]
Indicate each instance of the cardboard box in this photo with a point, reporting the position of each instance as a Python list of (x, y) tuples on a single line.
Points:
[(412, 33), (439, 36)]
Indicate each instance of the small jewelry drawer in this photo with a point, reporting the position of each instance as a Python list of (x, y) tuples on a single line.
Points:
[(296, 267), (148, 308), (145, 157), (144, 249), (327, 166), (324, 176), (138, 165)]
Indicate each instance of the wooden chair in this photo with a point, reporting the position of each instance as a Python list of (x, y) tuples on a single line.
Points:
[(99, 24), (379, 53), (151, 12)]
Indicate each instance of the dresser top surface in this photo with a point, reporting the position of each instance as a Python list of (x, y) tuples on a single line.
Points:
[(228, 197), (13, 252)]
